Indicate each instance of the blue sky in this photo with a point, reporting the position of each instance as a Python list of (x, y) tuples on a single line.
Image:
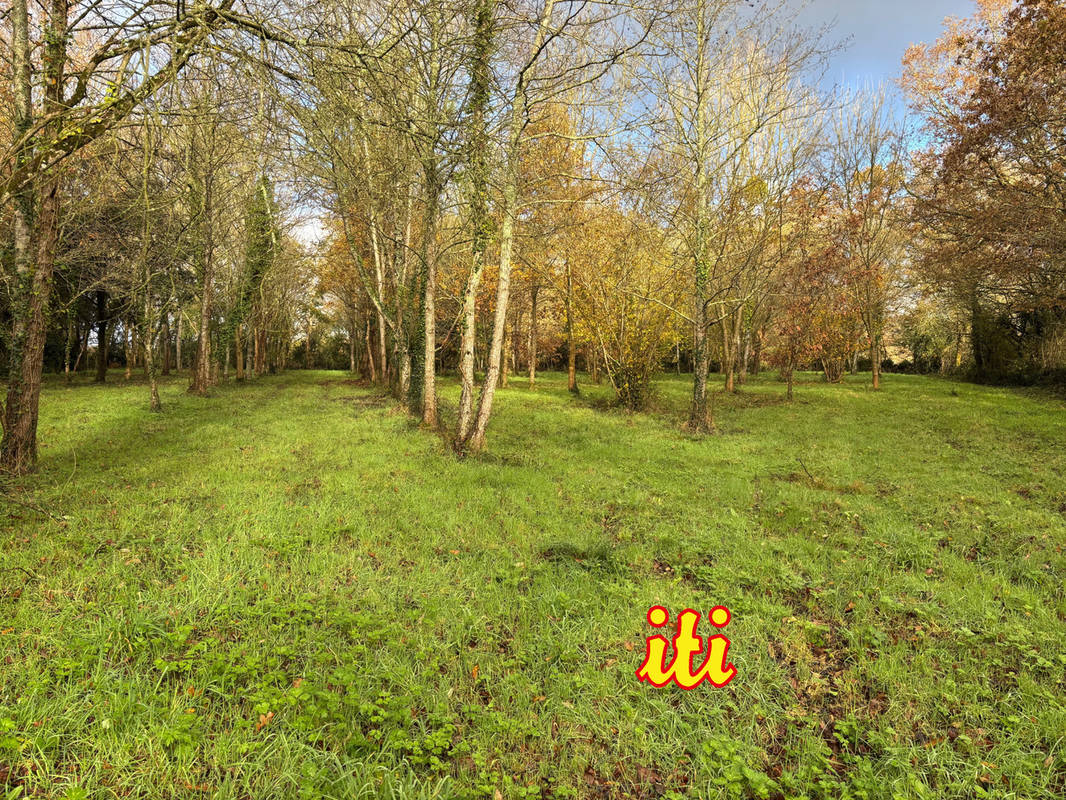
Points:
[(881, 30)]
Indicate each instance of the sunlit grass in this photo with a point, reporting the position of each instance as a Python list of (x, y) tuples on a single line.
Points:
[(289, 590)]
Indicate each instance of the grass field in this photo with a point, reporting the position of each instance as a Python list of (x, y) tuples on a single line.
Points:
[(288, 590)]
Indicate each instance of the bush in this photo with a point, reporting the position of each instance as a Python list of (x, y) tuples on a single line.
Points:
[(632, 384)]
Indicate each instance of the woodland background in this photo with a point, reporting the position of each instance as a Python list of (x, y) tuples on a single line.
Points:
[(372, 368), (486, 188)]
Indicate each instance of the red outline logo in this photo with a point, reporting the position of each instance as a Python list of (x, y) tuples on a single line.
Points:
[(686, 644)]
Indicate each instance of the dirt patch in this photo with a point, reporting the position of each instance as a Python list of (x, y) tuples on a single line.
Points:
[(818, 670), (599, 558), (632, 782), (805, 478)]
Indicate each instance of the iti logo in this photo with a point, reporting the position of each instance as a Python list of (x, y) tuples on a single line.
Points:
[(687, 645)]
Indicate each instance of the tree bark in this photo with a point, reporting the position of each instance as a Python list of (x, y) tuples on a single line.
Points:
[(875, 360), (260, 351), (476, 438), (429, 295), (508, 354), (150, 363), (730, 347), (103, 336), (201, 378), (164, 343), (745, 357), (128, 345), (370, 353), (701, 418), (571, 348), (177, 343), (238, 346), (18, 448), (509, 207), (531, 348), (18, 453), (479, 214), (351, 347), (400, 377), (83, 342), (68, 346)]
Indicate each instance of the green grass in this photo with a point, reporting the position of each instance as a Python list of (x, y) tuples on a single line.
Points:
[(287, 590)]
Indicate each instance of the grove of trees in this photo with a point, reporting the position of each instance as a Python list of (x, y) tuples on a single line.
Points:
[(483, 187)]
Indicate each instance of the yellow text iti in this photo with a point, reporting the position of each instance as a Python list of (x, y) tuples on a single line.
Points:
[(686, 644)]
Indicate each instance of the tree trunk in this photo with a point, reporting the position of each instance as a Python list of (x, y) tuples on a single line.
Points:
[(400, 377), (745, 356), (260, 351), (571, 348), (429, 295), (127, 344), (479, 210), (238, 346), (531, 348), (201, 378), (103, 337), (379, 279), (730, 347), (351, 347), (67, 346), (370, 352), (466, 347), (875, 360), (83, 342), (177, 342), (33, 281), (164, 343), (476, 439), (508, 355), (18, 453), (149, 356), (509, 208), (700, 418)]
